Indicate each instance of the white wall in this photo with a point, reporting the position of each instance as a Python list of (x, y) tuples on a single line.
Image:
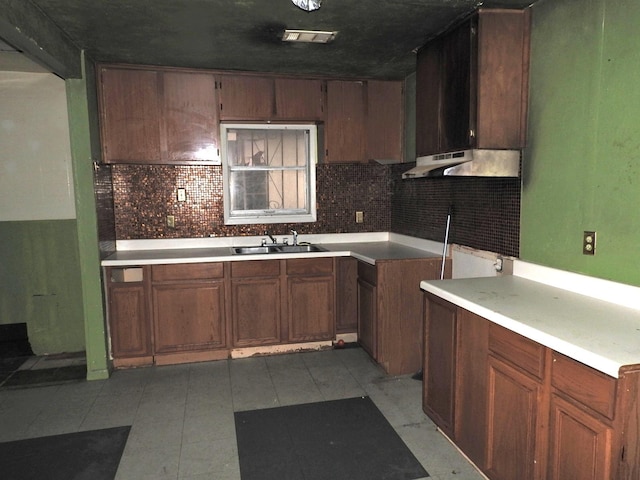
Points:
[(36, 181)]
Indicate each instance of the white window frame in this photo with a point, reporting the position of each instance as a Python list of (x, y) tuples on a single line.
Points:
[(270, 215)]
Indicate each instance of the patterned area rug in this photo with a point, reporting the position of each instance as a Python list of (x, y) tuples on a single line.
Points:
[(342, 439)]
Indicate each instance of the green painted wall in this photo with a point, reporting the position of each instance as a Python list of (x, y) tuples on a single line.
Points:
[(81, 118), (40, 283), (581, 168)]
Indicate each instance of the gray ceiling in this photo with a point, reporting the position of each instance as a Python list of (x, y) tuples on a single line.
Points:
[(376, 37)]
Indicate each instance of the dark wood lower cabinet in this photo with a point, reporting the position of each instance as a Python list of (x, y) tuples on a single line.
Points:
[(512, 421), (579, 443), (522, 411), (189, 317)]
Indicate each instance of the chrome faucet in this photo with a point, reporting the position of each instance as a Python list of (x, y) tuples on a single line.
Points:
[(295, 237), (273, 239)]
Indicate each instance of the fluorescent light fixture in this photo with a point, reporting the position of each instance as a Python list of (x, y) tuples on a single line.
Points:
[(308, 36)]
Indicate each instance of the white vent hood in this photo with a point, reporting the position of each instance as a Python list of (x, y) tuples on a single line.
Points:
[(467, 163)]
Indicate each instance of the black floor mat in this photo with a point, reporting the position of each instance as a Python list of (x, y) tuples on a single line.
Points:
[(341, 439), (45, 377), (91, 455)]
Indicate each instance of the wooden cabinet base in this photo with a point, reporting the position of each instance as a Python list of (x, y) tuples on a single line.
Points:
[(191, 357)]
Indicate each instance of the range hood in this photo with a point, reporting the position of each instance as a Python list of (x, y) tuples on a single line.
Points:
[(467, 163)]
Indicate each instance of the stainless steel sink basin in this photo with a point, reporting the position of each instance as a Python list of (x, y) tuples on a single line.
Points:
[(276, 249)]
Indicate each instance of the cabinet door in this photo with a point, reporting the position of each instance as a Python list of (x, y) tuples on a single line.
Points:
[(256, 311), (130, 115), (189, 316), (128, 321), (457, 87), (190, 116), (367, 323), (345, 121), (346, 294), (310, 308), (299, 99), (428, 107), (385, 120), (246, 98), (440, 363), (512, 417), (580, 444)]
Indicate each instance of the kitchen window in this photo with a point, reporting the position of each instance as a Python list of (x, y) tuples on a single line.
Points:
[(269, 173)]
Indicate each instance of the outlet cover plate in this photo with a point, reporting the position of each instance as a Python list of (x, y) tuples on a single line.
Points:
[(589, 242)]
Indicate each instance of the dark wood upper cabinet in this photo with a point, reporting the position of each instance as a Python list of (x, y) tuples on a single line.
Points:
[(247, 97), (150, 116), (345, 121), (130, 115), (472, 84), (385, 120), (190, 116), (299, 99)]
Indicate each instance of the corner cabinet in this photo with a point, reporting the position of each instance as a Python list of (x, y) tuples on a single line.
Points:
[(390, 311), (520, 410), (472, 84)]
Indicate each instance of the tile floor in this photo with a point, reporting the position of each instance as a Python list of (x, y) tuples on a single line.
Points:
[(182, 416)]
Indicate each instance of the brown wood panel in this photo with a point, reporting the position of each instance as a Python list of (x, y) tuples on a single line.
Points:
[(385, 119), (311, 308), (345, 121), (594, 389), (400, 318), (256, 311), (367, 318), (580, 445), (299, 99), (428, 98), (189, 317), (246, 97), (367, 272), (255, 268), (440, 362), (346, 295), (190, 116), (517, 350), (186, 271), (310, 266), (503, 42), (129, 115), (129, 325), (512, 422), (471, 385)]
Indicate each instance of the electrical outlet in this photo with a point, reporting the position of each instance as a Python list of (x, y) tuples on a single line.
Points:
[(171, 221), (589, 243), (182, 195), (359, 217)]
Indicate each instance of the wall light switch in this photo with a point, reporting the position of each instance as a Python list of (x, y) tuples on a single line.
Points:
[(182, 195), (171, 221), (359, 217)]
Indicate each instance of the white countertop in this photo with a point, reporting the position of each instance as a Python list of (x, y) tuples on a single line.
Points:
[(370, 247), (599, 333)]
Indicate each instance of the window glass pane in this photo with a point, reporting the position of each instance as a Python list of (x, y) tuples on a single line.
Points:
[(269, 173)]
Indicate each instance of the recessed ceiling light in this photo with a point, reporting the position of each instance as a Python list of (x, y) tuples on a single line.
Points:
[(308, 36)]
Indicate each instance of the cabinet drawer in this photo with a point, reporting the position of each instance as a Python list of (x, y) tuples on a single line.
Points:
[(516, 349), (368, 273), (186, 271), (594, 389), (309, 266), (255, 268)]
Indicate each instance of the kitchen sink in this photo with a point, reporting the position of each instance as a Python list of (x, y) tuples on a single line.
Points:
[(262, 249)]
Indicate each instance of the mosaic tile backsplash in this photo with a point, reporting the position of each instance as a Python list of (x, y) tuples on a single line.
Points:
[(485, 211)]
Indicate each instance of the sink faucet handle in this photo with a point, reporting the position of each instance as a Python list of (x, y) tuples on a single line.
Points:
[(273, 239)]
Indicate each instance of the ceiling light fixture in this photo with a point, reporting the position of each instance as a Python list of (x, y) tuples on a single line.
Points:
[(307, 5), (308, 36)]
